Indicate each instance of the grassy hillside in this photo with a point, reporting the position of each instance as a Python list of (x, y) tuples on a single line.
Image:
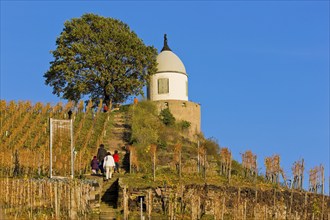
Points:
[(158, 149)]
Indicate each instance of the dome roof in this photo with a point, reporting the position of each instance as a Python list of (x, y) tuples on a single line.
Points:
[(169, 62)]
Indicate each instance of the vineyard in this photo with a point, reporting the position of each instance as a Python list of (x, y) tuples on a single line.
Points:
[(174, 164), (25, 151), (25, 137), (44, 198)]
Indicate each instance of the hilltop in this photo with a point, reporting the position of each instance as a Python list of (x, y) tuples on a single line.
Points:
[(158, 160)]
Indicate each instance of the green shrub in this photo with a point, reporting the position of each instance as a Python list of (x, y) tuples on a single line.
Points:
[(212, 146), (236, 168), (167, 117), (184, 125), (162, 144)]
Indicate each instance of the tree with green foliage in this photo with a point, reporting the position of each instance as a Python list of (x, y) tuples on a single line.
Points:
[(167, 117), (100, 58)]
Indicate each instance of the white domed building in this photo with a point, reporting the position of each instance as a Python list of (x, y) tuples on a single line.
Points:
[(168, 87)]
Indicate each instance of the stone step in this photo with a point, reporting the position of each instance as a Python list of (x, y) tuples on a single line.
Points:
[(106, 208), (109, 196), (109, 199), (121, 128), (117, 134), (121, 119), (108, 215), (110, 193), (120, 122), (118, 130)]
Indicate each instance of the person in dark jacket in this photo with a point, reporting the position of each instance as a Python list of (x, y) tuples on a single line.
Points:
[(101, 153), (95, 165)]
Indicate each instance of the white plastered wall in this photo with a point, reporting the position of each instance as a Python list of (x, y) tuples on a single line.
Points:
[(177, 86)]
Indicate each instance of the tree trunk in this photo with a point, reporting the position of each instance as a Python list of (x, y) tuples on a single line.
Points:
[(108, 101)]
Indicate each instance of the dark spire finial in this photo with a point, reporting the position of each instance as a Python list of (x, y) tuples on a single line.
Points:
[(165, 47)]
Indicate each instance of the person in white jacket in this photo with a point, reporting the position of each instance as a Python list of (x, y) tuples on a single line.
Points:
[(108, 166)]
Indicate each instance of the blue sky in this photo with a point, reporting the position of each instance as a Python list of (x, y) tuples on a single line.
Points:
[(259, 69)]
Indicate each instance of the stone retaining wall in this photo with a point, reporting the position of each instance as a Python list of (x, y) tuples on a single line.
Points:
[(227, 202)]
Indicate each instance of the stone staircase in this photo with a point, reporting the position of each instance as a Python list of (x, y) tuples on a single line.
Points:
[(104, 198), (106, 192), (120, 133), (117, 139), (109, 198)]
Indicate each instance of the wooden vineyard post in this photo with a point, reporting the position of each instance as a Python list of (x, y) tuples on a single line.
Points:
[(50, 147), (225, 163), (199, 208), (153, 149), (175, 205), (254, 204), (229, 173), (223, 208), (322, 171), (249, 163), (245, 210), (255, 170), (316, 179), (216, 208), (298, 174), (322, 174), (322, 210), (7, 191), (202, 161), (141, 208), (180, 164), (130, 159), (55, 199), (78, 199), (73, 211), (72, 149), (181, 202), (274, 203), (125, 203), (149, 203), (273, 169), (177, 158), (204, 167), (154, 166), (59, 190), (302, 175), (291, 200), (238, 200), (198, 160), (305, 206)]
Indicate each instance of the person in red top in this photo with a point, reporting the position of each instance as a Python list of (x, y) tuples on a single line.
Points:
[(105, 108), (116, 159)]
